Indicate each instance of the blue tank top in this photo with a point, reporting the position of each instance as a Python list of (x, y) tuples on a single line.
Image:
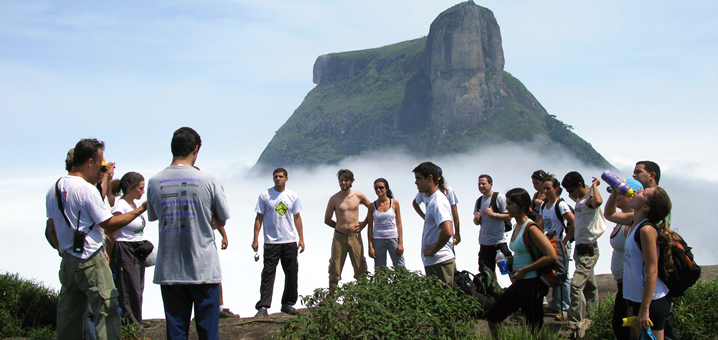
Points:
[(522, 258)]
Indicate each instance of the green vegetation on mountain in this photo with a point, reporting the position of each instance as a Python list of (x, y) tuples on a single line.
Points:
[(444, 93)]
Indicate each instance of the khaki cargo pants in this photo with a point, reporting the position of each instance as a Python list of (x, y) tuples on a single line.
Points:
[(344, 244), (87, 282)]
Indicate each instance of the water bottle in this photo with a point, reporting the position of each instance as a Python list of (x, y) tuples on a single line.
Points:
[(501, 262), (613, 181)]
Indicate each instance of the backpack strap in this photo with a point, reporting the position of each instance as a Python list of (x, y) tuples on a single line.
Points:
[(374, 205), (58, 197), (637, 235), (478, 203), (494, 205), (528, 242)]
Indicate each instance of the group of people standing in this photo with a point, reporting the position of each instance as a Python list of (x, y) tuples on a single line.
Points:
[(95, 233)]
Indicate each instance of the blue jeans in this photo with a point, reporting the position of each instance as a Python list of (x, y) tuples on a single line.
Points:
[(384, 245), (564, 289), (178, 301)]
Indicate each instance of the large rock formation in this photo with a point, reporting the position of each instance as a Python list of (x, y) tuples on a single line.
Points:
[(447, 92)]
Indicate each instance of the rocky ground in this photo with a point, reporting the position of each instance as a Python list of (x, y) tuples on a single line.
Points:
[(259, 329)]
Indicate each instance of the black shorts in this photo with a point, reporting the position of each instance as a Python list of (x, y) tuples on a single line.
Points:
[(658, 311)]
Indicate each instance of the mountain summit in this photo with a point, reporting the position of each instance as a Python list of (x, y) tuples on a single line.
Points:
[(444, 93)]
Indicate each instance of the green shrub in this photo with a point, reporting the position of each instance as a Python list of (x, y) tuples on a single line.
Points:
[(696, 312), (390, 304), (601, 319), (27, 308)]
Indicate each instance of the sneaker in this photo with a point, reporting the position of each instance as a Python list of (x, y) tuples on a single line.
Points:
[(226, 313), (287, 309), (261, 313), (562, 316)]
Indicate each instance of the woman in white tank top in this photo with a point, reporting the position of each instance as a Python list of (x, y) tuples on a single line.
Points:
[(641, 285), (385, 230)]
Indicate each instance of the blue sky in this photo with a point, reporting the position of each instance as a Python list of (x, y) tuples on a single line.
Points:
[(235, 70), (636, 80)]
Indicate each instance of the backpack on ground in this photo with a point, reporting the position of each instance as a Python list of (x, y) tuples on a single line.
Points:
[(464, 280), (495, 207), (554, 274), (684, 271)]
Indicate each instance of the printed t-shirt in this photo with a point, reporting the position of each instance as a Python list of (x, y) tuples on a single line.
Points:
[(551, 221), (278, 209), (184, 200)]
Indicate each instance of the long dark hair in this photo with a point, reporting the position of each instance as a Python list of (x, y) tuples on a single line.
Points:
[(388, 191), (129, 181), (522, 198), (660, 205)]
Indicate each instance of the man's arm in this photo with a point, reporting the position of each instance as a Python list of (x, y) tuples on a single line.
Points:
[(370, 232), (445, 233), (457, 232), (596, 200), (417, 208), (300, 231), (257, 227), (329, 214), (367, 203), (225, 240), (116, 222), (50, 226), (570, 226), (499, 216)]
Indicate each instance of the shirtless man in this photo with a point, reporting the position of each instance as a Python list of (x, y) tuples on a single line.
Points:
[(347, 228)]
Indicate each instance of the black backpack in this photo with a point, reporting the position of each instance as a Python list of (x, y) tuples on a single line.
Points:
[(495, 207), (683, 273), (557, 211), (466, 282)]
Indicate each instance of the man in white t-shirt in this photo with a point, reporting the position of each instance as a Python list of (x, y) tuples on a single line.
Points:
[(80, 220), (492, 236), (589, 226), (278, 209), (436, 250)]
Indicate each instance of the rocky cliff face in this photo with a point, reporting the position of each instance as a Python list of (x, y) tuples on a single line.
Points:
[(446, 92)]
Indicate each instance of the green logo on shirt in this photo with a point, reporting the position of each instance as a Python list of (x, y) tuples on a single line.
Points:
[(281, 208)]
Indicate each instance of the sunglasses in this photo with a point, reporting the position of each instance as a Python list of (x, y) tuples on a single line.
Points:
[(379, 188), (104, 169)]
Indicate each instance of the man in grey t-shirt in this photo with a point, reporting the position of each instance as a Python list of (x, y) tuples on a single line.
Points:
[(185, 200), (492, 234)]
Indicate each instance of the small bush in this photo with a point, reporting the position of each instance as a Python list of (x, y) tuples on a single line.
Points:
[(601, 319), (27, 308), (696, 314), (390, 304)]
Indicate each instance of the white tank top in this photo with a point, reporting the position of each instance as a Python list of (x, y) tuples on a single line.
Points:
[(634, 271), (385, 223), (618, 243)]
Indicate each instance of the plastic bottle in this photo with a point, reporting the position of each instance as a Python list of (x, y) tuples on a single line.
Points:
[(613, 181), (501, 262)]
